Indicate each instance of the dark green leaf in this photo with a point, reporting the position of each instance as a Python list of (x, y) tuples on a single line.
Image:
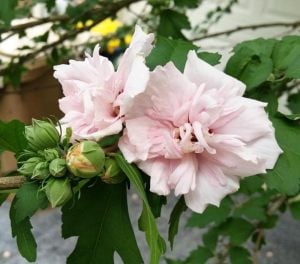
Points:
[(147, 221), (3, 197), (178, 209), (254, 208), (211, 58), (285, 176), (171, 23), (12, 136), (28, 200), (100, 220), (108, 141), (251, 185), (212, 214), (156, 202), (22, 231), (199, 255), (239, 255), (286, 57), (169, 50), (295, 210), (294, 102), (238, 230), (210, 238), (251, 62), (7, 11), (187, 3)]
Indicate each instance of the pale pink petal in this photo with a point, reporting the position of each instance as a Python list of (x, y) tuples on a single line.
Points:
[(93, 71), (199, 72), (158, 170), (251, 123), (209, 188), (183, 178), (111, 129), (135, 84)]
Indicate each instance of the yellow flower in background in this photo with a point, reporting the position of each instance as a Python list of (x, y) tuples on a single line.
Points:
[(104, 28), (112, 45), (107, 27), (127, 39)]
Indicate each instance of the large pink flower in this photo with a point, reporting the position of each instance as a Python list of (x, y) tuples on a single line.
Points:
[(196, 134), (97, 97)]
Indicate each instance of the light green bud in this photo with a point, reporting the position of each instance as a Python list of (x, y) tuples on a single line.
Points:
[(50, 154), (85, 159), (58, 167), (41, 135), (41, 171), (28, 166), (58, 191), (113, 173)]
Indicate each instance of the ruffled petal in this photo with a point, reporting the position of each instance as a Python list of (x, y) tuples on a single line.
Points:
[(199, 72), (212, 185)]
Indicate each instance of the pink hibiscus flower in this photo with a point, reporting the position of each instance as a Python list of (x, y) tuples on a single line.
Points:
[(97, 97), (195, 134)]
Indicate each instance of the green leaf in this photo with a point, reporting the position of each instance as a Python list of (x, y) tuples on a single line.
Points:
[(211, 58), (286, 57), (147, 221), (22, 231), (285, 176), (156, 202), (210, 238), (295, 210), (178, 209), (293, 116), (251, 62), (251, 184), (101, 221), (3, 197), (212, 214), (109, 140), (167, 50), (254, 208), (199, 255), (12, 136), (28, 200), (294, 102), (239, 255), (171, 23), (238, 230), (187, 3), (7, 11)]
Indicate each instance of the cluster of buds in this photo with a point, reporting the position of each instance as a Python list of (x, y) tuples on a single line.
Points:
[(59, 168), (45, 161)]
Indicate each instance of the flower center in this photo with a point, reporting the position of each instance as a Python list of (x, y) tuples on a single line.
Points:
[(193, 138)]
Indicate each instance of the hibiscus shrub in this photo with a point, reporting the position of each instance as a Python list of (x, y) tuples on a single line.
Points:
[(164, 121)]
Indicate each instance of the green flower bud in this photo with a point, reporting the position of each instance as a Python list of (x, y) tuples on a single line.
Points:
[(41, 135), (58, 167), (28, 166), (58, 191), (85, 159), (50, 154), (113, 173), (41, 171)]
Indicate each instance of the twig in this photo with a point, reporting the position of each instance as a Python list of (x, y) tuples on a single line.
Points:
[(107, 12), (253, 27), (35, 23), (272, 209), (12, 182)]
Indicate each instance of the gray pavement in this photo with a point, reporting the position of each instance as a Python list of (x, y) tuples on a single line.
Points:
[(282, 247)]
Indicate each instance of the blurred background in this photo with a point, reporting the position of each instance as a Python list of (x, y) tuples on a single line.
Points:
[(37, 34)]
